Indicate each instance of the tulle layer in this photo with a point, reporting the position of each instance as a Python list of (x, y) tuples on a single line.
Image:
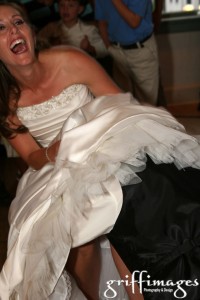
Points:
[(103, 145)]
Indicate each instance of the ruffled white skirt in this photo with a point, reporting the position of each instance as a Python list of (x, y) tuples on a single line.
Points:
[(71, 202)]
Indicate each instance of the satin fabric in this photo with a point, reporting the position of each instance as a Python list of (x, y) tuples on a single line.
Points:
[(104, 142)]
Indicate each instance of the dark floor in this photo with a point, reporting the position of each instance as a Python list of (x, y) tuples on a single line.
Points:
[(191, 124)]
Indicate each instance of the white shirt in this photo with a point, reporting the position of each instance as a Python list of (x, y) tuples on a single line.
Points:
[(59, 33)]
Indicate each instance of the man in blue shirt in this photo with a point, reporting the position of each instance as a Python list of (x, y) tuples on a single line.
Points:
[(126, 28)]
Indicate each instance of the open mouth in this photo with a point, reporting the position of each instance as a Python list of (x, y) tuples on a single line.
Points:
[(18, 46)]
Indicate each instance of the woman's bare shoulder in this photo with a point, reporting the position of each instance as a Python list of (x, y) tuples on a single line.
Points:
[(73, 65), (70, 60), (63, 52)]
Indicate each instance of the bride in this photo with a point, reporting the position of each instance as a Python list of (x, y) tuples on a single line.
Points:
[(86, 142)]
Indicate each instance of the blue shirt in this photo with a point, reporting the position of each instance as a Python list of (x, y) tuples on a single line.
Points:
[(118, 29)]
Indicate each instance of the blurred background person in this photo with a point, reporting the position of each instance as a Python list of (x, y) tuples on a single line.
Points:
[(157, 17), (128, 32), (71, 30)]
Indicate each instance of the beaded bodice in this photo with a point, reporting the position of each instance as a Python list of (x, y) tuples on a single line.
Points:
[(44, 120)]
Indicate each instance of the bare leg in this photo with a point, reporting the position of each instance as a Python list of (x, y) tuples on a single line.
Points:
[(84, 264), (123, 271)]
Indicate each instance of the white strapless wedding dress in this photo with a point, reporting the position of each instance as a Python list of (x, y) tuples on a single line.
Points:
[(104, 141)]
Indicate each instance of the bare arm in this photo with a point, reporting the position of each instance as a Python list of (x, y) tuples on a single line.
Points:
[(102, 25), (130, 17), (82, 68), (32, 153), (157, 14)]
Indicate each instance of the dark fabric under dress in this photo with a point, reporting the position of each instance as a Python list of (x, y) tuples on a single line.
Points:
[(158, 230)]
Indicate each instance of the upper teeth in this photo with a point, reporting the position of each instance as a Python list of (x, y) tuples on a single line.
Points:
[(16, 42)]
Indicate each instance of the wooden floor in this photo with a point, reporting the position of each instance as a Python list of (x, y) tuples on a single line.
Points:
[(190, 110), (188, 115)]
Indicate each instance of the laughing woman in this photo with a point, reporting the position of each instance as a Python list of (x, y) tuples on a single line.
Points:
[(83, 139)]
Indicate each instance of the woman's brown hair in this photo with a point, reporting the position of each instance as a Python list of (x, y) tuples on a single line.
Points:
[(9, 91)]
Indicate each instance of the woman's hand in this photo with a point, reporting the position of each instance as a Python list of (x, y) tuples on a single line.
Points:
[(52, 151), (31, 152)]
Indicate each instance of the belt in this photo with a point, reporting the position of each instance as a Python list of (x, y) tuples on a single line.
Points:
[(132, 46)]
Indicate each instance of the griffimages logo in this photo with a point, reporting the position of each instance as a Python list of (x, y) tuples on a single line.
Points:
[(178, 288)]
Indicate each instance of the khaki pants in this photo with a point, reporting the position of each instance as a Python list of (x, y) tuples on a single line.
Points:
[(137, 70)]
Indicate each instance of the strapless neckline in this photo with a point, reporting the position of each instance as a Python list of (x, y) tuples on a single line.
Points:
[(51, 105), (70, 89)]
